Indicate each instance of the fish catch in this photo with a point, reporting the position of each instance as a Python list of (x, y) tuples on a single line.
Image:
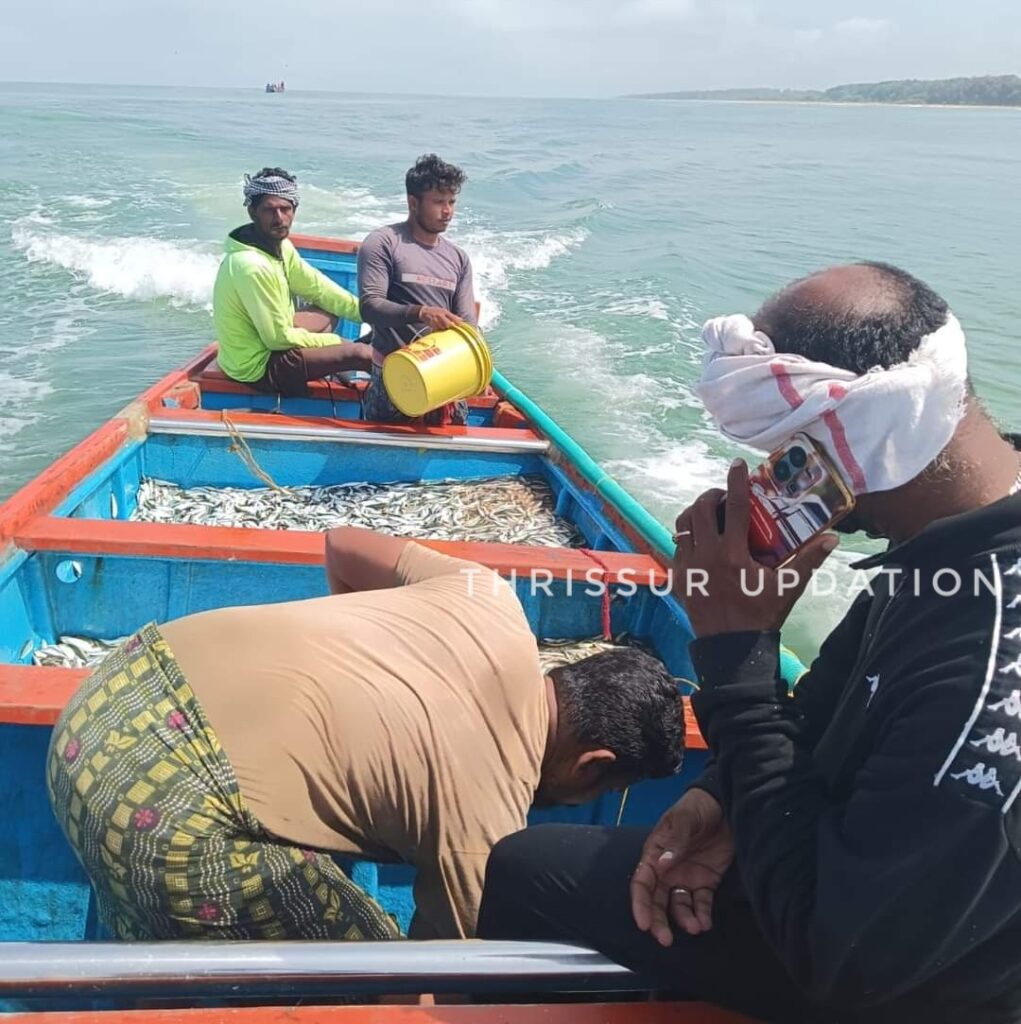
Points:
[(553, 653), (75, 652), (502, 510)]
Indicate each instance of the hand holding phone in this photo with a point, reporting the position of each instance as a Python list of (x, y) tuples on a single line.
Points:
[(796, 494), (724, 586)]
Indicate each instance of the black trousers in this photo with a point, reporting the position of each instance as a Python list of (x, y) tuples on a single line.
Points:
[(288, 373), (569, 883)]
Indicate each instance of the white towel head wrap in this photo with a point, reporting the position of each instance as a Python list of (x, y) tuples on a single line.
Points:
[(882, 427)]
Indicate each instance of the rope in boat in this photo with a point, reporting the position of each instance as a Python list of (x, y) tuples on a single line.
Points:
[(607, 632), (244, 453)]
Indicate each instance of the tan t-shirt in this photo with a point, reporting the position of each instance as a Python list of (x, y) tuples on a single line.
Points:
[(405, 723)]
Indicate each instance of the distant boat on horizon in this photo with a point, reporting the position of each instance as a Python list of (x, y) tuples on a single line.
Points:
[(275, 86)]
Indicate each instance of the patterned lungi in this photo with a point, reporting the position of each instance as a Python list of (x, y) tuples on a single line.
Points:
[(150, 804)]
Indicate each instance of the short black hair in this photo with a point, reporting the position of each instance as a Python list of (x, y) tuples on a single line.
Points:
[(852, 340), (270, 172), (625, 701), (430, 172)]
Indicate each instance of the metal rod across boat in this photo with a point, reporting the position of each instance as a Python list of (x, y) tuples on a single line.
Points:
[(55, 969), (272, 432)]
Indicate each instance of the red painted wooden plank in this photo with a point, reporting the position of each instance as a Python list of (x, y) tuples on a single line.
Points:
[(42, 494), (507, 415), (31, 695), (201, 361), (338, 245), (214, 381), (556, 1013), (151, 395), (693, 738), (299, 547)]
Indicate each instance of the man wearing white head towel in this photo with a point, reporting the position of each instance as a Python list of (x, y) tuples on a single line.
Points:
[(853, 853)]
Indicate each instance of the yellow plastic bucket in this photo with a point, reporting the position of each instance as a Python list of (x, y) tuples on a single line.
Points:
[(439, 368)]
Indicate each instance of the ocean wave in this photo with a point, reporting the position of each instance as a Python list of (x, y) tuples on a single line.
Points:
[(19, 399), (649, 306), (66, 329), (347, 211), (145, 268), (86, 202), (134, 267), (496, 255), (670, 476)]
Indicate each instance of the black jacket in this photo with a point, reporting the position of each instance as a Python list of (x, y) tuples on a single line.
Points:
[(877, 813)]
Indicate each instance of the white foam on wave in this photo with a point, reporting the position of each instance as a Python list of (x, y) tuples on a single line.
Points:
[(134, 267), (648, 306), (347, 211), (66, 329), (86, 202), (671, 475), (497, 255), (38, 218), (632, 407), (19, 399)]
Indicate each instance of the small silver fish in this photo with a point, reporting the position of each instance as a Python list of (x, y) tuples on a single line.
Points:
[(75, 652), (508, 510)]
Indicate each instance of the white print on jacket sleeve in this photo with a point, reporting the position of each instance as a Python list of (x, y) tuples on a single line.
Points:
[(991, 731)]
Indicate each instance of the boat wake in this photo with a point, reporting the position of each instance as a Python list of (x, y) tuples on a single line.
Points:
[(135, 267), (182, 272), (19, 400), (497, 255)]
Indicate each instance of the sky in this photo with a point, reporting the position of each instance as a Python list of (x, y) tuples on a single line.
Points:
[(584, 48)]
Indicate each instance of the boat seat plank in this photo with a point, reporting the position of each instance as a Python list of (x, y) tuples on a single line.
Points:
[(242, 419), (301, 547), (35, 695), (211, 378)]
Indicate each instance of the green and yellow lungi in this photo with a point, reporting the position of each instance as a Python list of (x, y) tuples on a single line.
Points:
[(150, 804)]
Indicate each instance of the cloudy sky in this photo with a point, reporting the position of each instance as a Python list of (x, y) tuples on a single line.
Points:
[(507, 47)]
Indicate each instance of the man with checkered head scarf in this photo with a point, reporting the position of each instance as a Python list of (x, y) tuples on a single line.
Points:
[(263, 342)]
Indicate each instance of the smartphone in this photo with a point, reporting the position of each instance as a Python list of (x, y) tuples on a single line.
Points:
[(796, 494)]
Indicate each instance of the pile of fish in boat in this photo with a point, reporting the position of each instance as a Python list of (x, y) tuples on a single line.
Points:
[(75, 652), (504, 510)]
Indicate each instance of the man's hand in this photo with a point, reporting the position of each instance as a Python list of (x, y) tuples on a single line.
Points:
[(739, 592), (682, 863), (438, 319)]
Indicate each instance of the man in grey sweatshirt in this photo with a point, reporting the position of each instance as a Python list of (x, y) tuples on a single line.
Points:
[(411, 281)]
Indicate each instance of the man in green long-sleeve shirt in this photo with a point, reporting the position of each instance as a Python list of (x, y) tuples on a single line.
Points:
[(263, 343)]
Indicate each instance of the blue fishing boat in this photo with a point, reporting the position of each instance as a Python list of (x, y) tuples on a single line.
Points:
[(75, 561)]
